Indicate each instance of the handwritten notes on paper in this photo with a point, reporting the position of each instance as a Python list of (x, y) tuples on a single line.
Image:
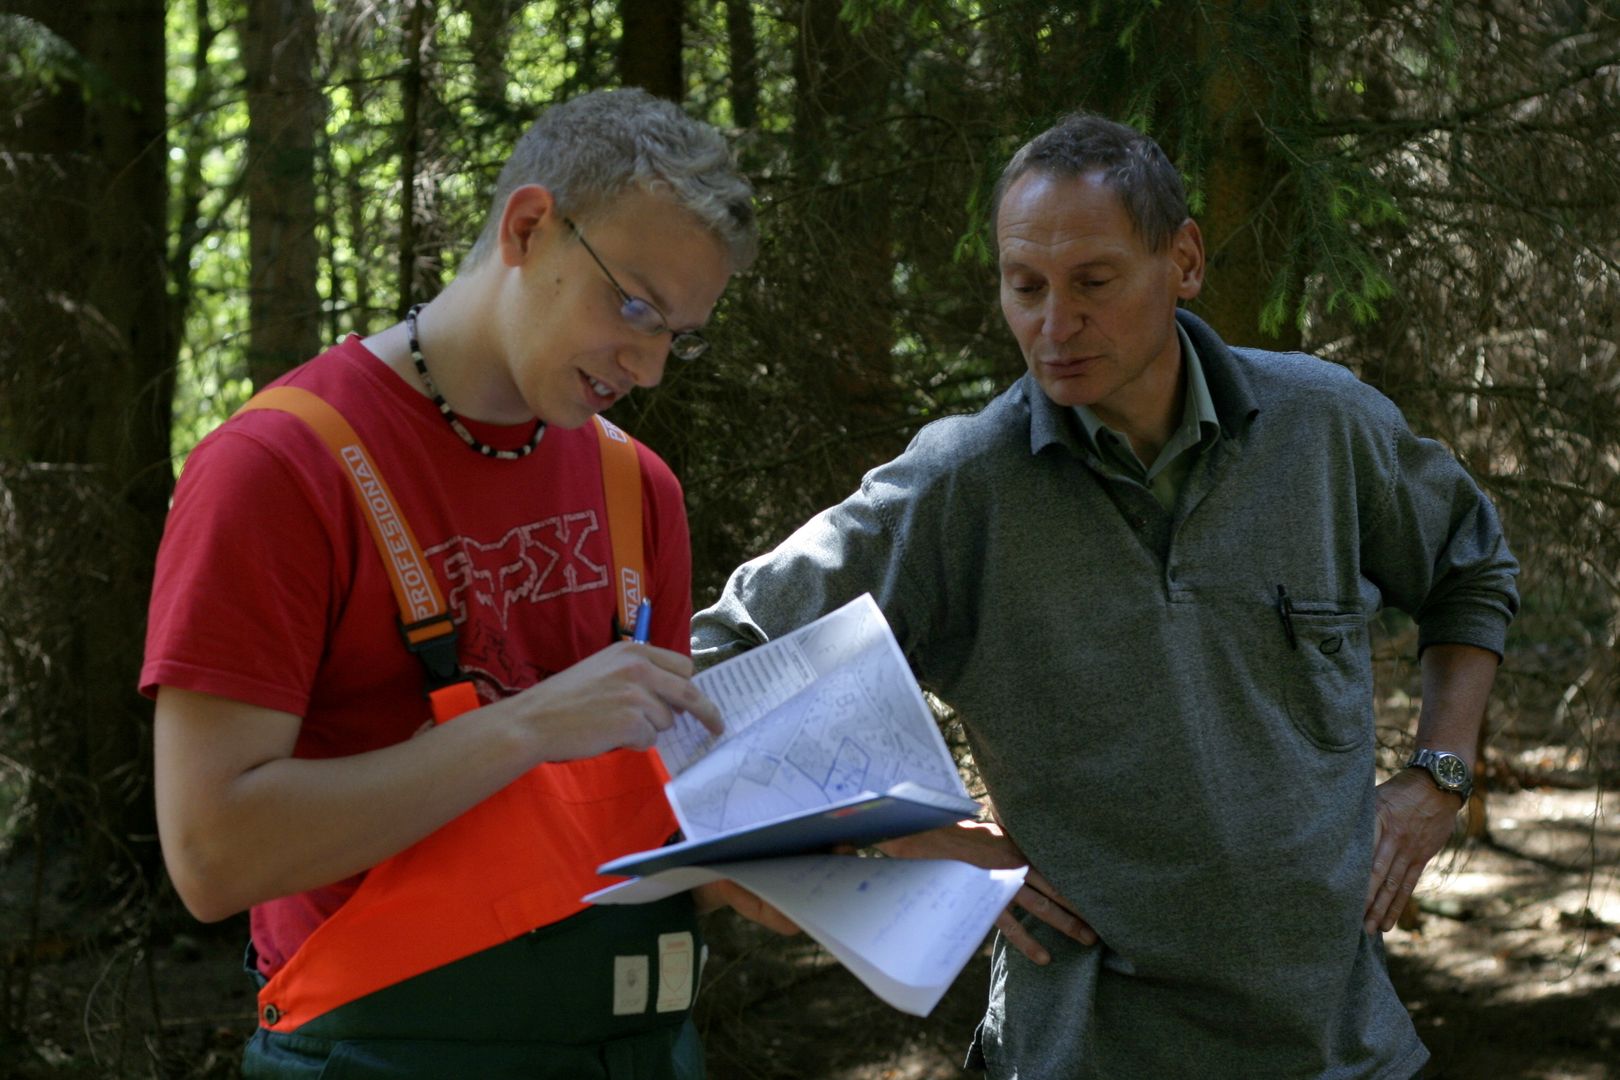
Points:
[(904, 927)]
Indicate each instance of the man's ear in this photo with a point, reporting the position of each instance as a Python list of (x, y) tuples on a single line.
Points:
[(530, 213), (1187, 252)]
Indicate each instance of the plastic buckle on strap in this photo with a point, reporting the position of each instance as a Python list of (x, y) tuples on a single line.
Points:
[(433, 640), (449, 702)]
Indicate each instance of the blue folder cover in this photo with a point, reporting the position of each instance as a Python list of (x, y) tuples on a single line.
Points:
[(862, 819)]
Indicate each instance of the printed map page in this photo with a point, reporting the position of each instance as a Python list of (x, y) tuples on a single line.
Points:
[(825, 713)]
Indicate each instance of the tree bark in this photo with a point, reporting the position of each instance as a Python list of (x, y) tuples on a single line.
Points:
[(284, 106), (487, 45), (650, 46), (1257, 62), (189, 226), (411, 91), (842, 81), (742, 52), (85, 412)]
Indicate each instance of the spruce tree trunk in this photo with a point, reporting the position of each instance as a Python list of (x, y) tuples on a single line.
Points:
[(840, 147), (650, 46), (283, 108), (742, 54), (418, 34), (486, 43), (85, 399), (1257, 56)]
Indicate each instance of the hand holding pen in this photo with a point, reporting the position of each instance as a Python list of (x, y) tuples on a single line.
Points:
[(618, 697)]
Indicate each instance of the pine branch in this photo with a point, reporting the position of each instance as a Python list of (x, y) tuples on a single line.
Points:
[(1460, 118)]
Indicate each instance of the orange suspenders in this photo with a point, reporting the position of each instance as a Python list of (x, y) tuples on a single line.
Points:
[(521, 858), (621, 485), (424, 621)]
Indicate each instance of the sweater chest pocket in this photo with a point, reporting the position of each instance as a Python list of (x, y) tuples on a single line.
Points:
[(1327, 677)]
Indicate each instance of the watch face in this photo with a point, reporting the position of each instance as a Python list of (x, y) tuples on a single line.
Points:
[(1450, 770)]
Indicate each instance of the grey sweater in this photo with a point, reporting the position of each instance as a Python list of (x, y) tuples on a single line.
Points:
[(1201, 790)]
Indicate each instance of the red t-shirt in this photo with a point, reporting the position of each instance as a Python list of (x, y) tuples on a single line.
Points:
[(270, 591)]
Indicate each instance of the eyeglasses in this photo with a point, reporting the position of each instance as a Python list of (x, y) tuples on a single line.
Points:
[(643, 314)]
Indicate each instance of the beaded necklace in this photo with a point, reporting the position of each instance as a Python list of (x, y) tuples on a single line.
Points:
[(449, 415)]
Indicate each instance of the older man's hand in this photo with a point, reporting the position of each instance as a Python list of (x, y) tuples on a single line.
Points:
[(985, 844), (726, 893), (1414, 821)]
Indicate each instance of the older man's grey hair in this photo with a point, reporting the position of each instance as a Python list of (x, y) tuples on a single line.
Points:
[(592, 149), (1130, 163)]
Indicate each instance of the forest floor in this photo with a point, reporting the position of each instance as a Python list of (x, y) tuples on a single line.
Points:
[(1513, 972)]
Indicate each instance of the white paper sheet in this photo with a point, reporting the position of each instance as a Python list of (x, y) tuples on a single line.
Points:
[(905, 927)]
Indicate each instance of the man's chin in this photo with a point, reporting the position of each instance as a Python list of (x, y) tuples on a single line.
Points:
[(1068, 392)]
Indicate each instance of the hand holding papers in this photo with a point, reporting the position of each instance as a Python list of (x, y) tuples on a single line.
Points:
[(828, 741)]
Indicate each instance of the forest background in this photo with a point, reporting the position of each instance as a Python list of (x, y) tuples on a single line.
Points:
[(195, 196)]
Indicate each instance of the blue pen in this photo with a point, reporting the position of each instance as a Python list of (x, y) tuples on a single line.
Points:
[(643, 621)]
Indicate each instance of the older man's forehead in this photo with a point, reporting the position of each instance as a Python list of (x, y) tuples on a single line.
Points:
[(1064, 211), (1057, 194)]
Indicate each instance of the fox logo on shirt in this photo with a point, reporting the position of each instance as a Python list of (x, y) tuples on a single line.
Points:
[(532, 563)]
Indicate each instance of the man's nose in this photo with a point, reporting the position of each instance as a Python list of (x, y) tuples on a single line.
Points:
[(645, 360), (1062, 318)]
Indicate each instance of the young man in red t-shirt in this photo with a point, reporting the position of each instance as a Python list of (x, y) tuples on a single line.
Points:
[(297, 773)]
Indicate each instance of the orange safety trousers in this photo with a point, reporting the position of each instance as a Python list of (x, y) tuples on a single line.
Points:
[(523, 857), (520, 859)]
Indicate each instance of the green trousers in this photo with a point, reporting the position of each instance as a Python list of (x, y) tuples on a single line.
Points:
[(558, 1003)]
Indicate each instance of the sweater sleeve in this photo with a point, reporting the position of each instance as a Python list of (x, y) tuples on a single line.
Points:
[(1432, 542), (877, 540)]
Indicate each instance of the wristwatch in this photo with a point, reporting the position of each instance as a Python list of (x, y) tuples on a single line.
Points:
[(1449, 772)]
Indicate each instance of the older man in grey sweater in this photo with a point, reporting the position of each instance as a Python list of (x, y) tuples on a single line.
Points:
[(1144, 575)]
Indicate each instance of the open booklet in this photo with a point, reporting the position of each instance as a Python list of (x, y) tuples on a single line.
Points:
[(828, 741)]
